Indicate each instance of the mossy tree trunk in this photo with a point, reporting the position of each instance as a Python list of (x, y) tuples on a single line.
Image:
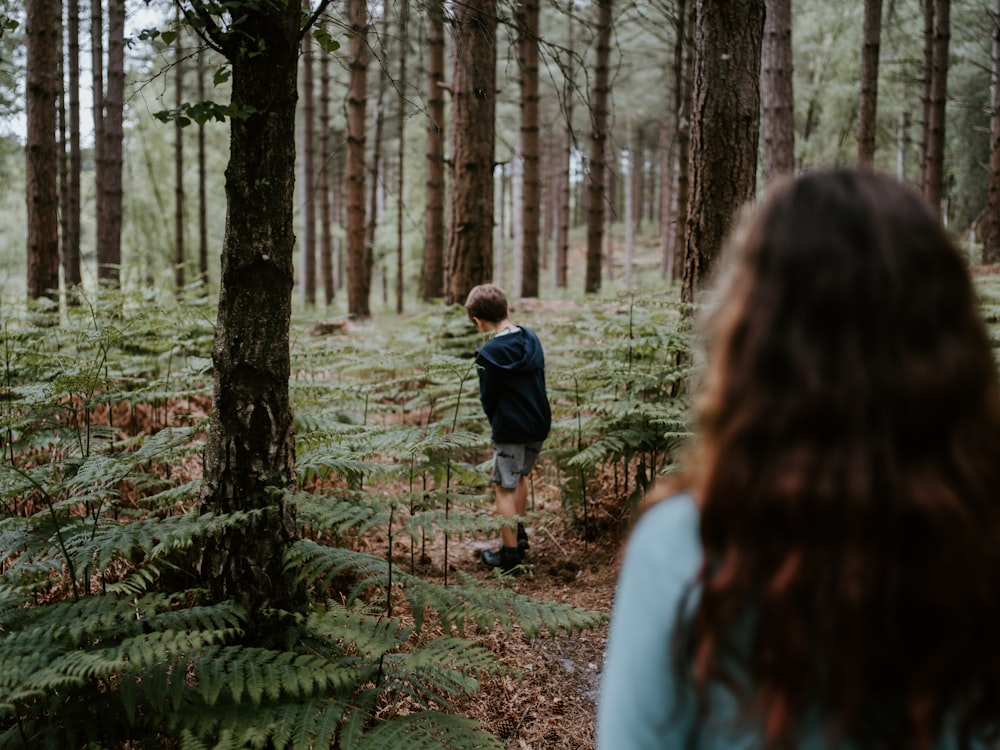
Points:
[(249, 456)]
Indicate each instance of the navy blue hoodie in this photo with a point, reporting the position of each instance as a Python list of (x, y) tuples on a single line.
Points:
[(512, 387)]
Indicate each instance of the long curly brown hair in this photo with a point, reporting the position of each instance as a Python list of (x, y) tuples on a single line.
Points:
[(848, 474)]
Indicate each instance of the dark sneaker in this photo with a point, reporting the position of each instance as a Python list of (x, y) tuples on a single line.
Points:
[(522, 538), (505, 558)]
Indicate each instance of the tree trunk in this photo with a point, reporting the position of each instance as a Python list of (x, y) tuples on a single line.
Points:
[(473, 126), (934, 187), (527, 53), (179, 280), (684, 73), (432, 285), (325, 184), (358, 258), (868, 99), (404, 11), (991, 240), (249, 454), (109, 220), (902, 145), (565, 187), (308, 247), (777, 92), (104, 273), (666, 203), (42, 151), (499, 254), (598, 129), (630, 197), (725, 129), (925, 89), (202, 184), (376, 175), (71, 241)]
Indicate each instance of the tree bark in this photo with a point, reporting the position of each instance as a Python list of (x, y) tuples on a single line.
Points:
[(432, 284), (308, 247), (991, 240), (565, 188), (71, 240), (42, 152), (179, 261), (358, 256), (202, 184), (376, 181), (404, 12), (684, 72), (666, 203), (598, 138), (868, 99), (777, 91), (473, 126), (249, 454), (725, 129), (104, 273), (925, 89), (325, 184), (934, 186), (531, 191), (109, 219)]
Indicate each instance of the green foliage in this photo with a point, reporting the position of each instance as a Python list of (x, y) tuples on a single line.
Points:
[(102, 608), (108, 636)]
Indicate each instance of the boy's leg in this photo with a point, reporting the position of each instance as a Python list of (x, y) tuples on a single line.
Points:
[(508, 502)]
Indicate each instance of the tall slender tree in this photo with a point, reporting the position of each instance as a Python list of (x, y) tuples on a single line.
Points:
[(991, 239), (404, 12), (725, 128), (202, 180), (42, 153), (684, 75), (307, 279), (470, 189), (934, 183), (526, 17), (777, 91), (71, 240), (111, 134), (925, 87), (104, 271), (868, 98), (600, 96), (359, 260), (432, 285), (560, 266), (325, 182), (249, 452), (179, 197)]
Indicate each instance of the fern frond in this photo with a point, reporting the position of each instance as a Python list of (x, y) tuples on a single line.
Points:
[(428, 730)]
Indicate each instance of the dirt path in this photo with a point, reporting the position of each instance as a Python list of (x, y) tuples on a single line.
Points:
[(552, 704)]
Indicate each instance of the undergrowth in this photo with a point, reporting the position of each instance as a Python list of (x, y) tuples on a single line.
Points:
[(108, 638)]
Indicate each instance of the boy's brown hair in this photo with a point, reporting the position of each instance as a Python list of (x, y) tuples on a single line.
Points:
[(486, 302)]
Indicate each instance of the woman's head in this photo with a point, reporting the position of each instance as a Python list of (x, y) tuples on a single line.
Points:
[(849, 466)]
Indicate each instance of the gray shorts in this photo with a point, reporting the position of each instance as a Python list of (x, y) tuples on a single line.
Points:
[(511, 461)]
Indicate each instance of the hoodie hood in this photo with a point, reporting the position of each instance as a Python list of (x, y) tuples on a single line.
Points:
[(517, 351)]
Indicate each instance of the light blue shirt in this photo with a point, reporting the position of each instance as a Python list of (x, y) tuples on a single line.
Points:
[(641, 705)]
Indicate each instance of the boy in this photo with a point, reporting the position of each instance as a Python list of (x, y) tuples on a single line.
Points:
[(511, 367)]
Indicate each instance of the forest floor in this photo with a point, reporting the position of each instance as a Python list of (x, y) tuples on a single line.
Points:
[(547, 698)]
